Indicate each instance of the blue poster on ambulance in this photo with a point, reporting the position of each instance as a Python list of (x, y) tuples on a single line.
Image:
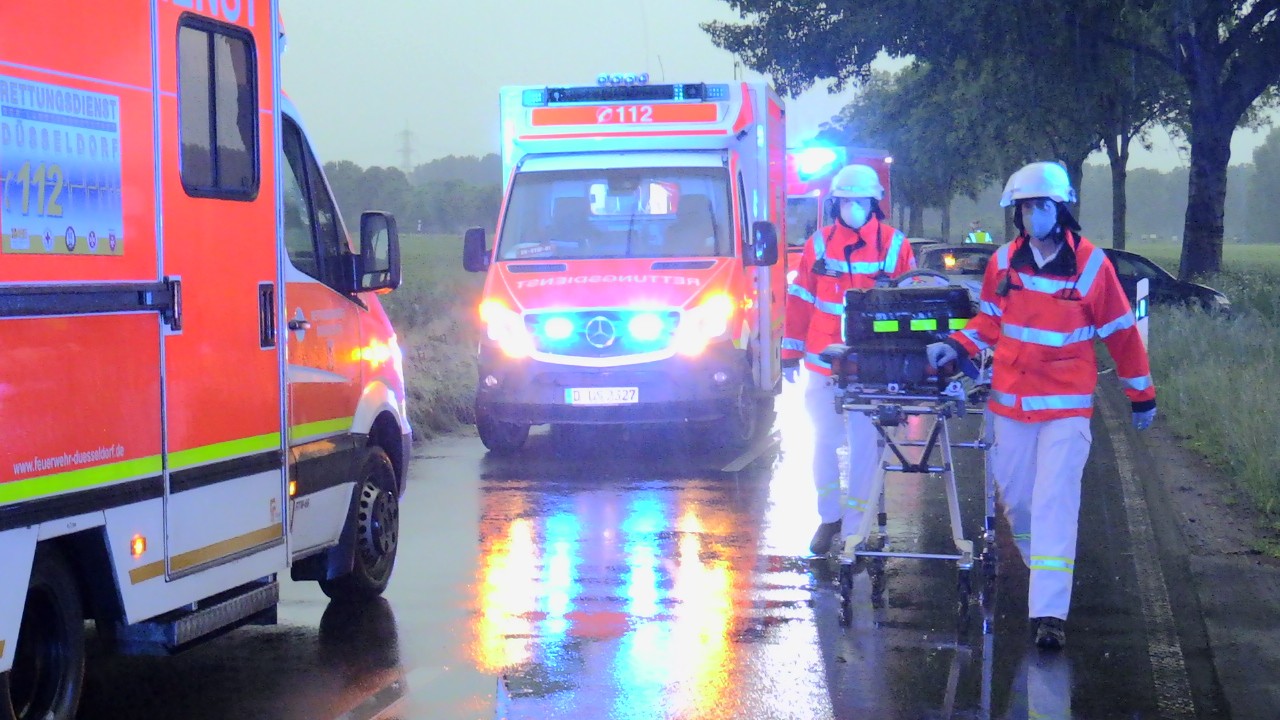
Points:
[(59, 170)]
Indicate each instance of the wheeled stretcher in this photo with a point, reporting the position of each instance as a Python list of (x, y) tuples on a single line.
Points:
[(881, 371)]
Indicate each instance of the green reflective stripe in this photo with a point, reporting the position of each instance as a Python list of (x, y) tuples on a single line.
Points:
[(855, 504), (79, 479), (321, 427), (1059, 564), (884, 326), (957, 323), (924, 324), (223, 451)]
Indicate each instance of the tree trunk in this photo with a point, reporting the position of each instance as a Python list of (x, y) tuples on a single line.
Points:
[(1206, 188), (915, 222), (1010, 230), (946, 221), (1118, 154)]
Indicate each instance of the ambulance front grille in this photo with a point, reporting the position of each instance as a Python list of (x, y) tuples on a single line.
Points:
[(602, 333)]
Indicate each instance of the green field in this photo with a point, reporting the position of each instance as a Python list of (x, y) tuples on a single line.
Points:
[(434, 313), (1235, 258)]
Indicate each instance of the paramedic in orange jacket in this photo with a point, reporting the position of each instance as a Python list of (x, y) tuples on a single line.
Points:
[(858, 250), (1046, 296)]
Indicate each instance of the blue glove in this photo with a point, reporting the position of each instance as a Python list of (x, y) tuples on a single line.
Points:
[(790, 370), (1142, 420), (939, 354)]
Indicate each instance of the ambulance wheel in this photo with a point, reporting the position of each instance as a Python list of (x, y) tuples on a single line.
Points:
[(48, 662), (500, 437), (749, 417), (377, 531)]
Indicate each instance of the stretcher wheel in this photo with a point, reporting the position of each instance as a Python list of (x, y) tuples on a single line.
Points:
[(846, 594), (876, 572)]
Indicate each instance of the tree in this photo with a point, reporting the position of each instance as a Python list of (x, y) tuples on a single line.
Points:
[(1037, 103), (1227, 53)]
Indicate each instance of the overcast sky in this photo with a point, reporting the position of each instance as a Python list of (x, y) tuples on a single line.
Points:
[(362, 73)]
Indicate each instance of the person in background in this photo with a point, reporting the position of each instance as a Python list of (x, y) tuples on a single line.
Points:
[(856, 251), (977, 234), (1045, 297)]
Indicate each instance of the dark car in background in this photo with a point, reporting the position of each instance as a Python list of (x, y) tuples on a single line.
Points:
[(1163, 288), (963, 264)]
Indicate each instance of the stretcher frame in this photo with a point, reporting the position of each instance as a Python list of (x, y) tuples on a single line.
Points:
[(889, 407)]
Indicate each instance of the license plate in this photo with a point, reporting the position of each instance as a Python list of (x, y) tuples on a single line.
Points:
[(602, 396)]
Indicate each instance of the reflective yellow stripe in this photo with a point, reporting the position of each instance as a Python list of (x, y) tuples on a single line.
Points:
[(321, 427), (208, 553), (223, 451), (79, 479)]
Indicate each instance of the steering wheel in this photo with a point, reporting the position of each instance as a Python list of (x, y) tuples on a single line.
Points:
[(921, 277)]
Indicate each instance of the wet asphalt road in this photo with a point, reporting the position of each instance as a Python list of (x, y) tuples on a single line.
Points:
[(629, 575)]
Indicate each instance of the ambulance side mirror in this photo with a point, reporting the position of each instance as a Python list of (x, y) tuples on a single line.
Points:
[(762, 250), (379, 261), (475, 251)]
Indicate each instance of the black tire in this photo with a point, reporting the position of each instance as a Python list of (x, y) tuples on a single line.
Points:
[(376, 516), (502, 438), (48, 671), (750, 417)]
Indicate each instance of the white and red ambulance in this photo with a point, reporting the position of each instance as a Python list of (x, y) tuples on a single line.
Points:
[(635, 274), (199, 390)]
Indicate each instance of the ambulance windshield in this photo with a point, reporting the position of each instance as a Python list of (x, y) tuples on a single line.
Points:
[(802, 218), (618, 212)]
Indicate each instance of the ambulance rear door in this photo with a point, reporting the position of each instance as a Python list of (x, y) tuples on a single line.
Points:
[(223, 365)]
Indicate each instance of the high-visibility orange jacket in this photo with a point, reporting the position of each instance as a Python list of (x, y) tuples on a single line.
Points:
[(835, 259), (1042, 323)]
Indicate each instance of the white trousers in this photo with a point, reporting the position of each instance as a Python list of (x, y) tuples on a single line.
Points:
[(830, 431), (1038, 467)]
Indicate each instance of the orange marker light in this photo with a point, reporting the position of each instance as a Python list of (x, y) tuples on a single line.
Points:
[(138, 546), (949, 261), (293, 488)]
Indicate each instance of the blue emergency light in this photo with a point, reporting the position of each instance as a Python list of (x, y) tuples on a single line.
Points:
[(814, 161)]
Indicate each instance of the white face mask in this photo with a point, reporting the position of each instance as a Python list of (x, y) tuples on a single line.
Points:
[(1040, 221), (853, 213)]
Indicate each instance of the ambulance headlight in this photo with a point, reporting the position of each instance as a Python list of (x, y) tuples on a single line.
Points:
[(506, 327), (645, 327), (703, 323)]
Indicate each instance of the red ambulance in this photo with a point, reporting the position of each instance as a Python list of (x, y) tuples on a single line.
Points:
[(810, 169), (635, 274), (199, 389)]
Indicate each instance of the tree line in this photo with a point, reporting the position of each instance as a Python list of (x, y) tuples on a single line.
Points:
[(993, 85), (447, 195)]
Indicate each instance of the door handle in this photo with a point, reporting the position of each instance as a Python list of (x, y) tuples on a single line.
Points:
[(299, 325)]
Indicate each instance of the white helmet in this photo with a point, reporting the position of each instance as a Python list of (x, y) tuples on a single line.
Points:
[(1039, 179), (857, 181)]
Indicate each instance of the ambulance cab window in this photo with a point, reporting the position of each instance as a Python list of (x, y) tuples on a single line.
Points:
[(217, 110), (312, 229)]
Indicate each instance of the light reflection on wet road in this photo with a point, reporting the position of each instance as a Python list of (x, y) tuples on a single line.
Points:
[(625, 576)]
